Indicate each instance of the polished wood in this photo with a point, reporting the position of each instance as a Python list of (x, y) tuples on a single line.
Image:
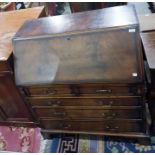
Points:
[(96, 101), (12, 107), (81, 74), (82, 113), (79, 22), (11, 101), (117, 126), (75, 64), (83, 90), (149, 45), (148, 41), (85, 57)]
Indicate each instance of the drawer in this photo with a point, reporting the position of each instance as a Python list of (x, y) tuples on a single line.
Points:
[(82, 90), (47, 90), (107, 102), (89, 113), (93, 125), (108, 90)]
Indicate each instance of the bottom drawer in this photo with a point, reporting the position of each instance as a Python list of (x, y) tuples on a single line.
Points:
[(94, 125)]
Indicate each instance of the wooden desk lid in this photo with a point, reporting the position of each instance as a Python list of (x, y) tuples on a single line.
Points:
[(77, 55)]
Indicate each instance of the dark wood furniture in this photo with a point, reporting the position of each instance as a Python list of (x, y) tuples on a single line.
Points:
[(147, 28), (12, 107), (84, 72), (148, 40)]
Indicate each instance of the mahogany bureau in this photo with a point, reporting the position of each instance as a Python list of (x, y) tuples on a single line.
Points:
[(84, 72), (12, 107)]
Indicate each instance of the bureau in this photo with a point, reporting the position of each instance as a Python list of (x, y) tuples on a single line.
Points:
[(84, 72)]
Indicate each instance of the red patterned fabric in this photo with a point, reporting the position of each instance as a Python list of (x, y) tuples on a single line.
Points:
[(20, 139)]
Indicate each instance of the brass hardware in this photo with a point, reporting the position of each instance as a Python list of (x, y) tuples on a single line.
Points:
[(109, 116), (104, 91), (113, 114), (139, 91), (49, 92), (104, 114), (46, 92), (101, 103), (54, 103), (109, 128), (65, 126), (59, 113)]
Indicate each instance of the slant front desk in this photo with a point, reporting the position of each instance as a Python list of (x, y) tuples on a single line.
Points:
[(83, 73)]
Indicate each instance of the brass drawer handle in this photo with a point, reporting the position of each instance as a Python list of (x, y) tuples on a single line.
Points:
[(109, 116), (65, 126), (103, 91), (49, 92), (59, 113), (54, 103), (46, 92), (101, 103), (109, 128)]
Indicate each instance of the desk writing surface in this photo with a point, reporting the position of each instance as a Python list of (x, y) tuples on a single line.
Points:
[(10, 23)]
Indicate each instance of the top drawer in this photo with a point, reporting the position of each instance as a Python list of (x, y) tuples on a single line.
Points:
[(83, 90)]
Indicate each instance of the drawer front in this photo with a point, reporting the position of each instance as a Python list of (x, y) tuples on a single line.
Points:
[(93, 126), (47, 91), (88, 113), (82, 90), (107, 102), (110, 90)]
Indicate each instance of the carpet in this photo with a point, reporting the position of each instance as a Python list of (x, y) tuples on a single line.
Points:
[(19, 139), (73, 143)]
